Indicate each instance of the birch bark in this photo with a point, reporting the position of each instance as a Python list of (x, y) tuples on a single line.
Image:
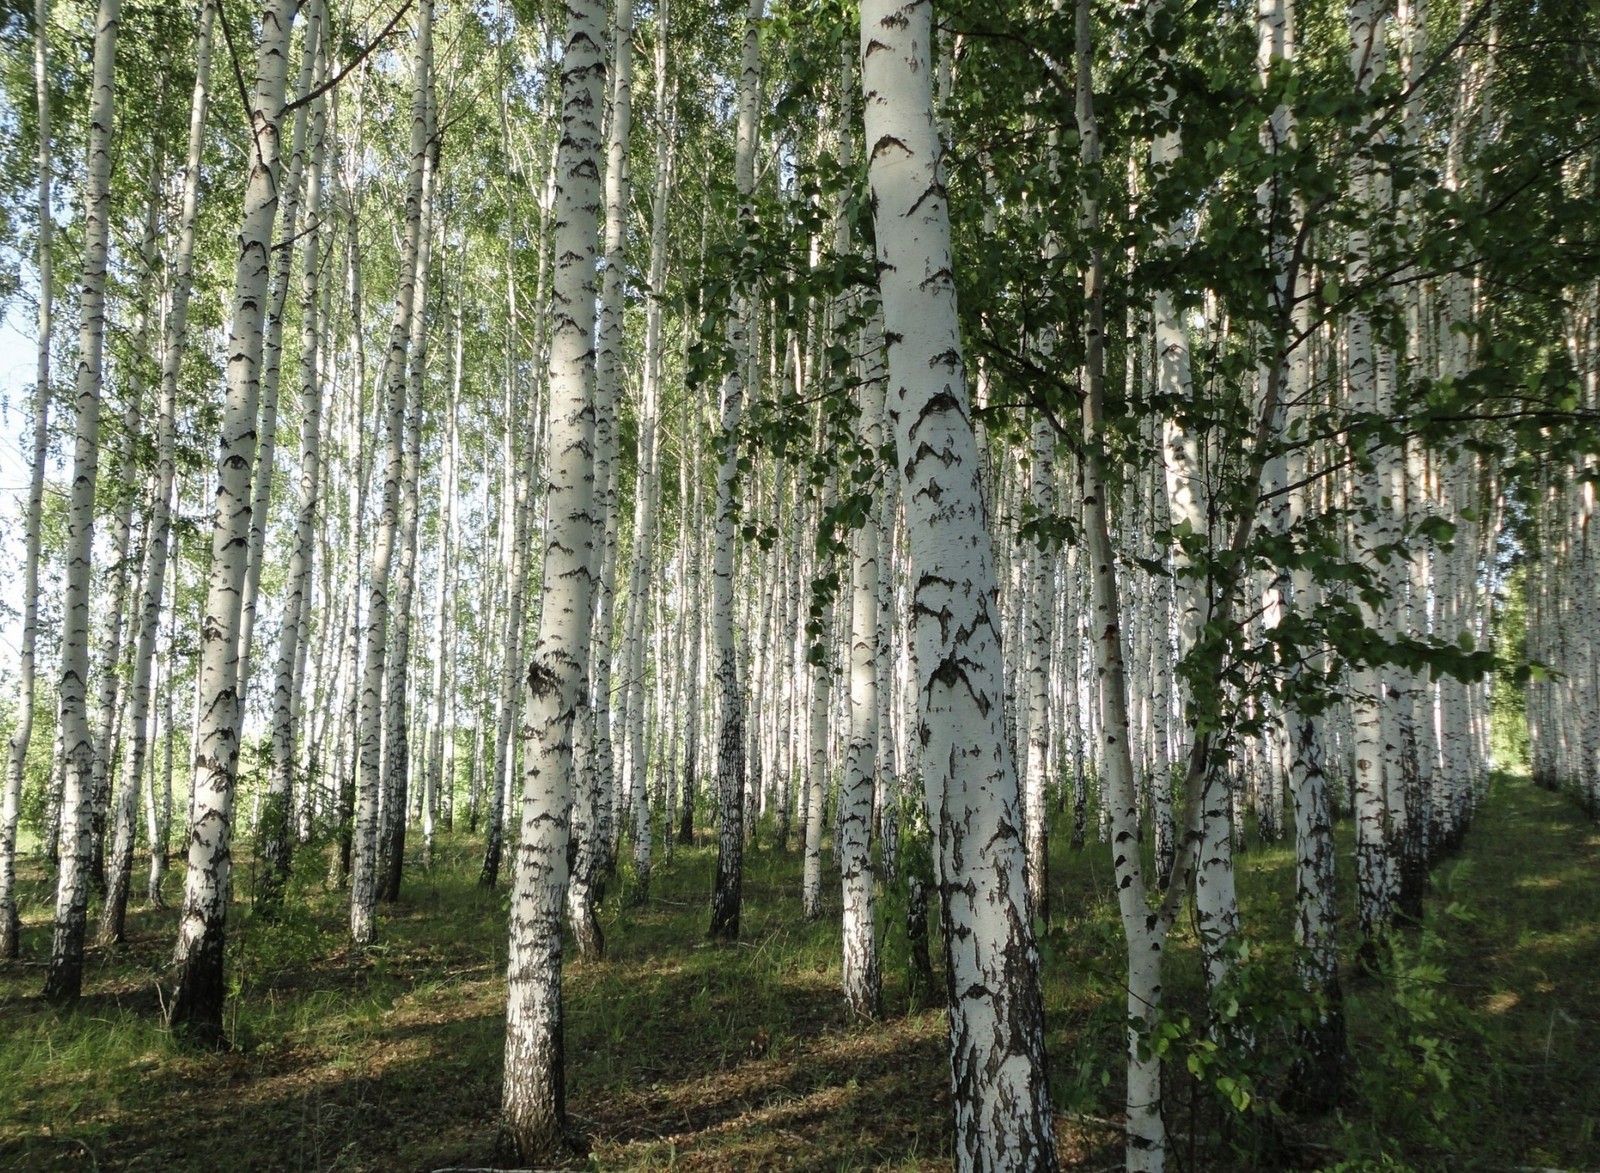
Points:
[(198, 1000), (534, 1100), (22, 737), (726, 897), (647, 488), (1002, 1102), (597, 779), (1376, 872), (159, 526), (397, 752), (275, 839), (65, 979), (364, 869), (117, 876)]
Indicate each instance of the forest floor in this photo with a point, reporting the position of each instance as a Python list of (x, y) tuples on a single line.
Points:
[(1473, 1047)]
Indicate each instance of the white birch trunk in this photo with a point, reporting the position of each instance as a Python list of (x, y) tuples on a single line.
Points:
[(272, 368), (1002, 1105), (1216, 902), (22, 737), (727, 896), (1041, 495), (863, 992), (364, 857), (65, 979), (398, 669), (533, 1104), (197, 1003), (647, 491), (441, 763), (597, 780), (862, 982), (821, 673), (1375, 865), (117, 876), (160, 524), (275, 840)]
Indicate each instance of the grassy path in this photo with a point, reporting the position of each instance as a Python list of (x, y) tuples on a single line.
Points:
[(1504, 980)]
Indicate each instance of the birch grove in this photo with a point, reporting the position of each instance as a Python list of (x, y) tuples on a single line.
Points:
[(959, 490)]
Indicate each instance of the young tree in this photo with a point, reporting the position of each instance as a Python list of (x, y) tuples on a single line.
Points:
[(647, 486), (396, 744)]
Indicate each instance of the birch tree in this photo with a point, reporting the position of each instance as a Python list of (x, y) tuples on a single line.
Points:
[(197, 1002), (1002, 1104), (397, 754), (727, 897), (22, 736), (533, 1104), (1376, 878), (117, 875), (647, 486), (364, 877), (65, 979), (596, 777), (276, 841)]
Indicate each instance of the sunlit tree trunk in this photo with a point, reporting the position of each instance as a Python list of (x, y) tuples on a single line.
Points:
[(534, 1100), (275, 838), (863, 986), (159, 527), (289, 194), (197, 1003), (596, 777), (691, 540), (820, 661), (22, 736), (1376, 876), (1002, 1103), (516, 484), (887, 804), (1319, 1058), (112, 610), (1041, 495), (1216, 901), (441, 760), (726, 898), (1144, 929), (862, 982), (397, 752), (65, 979), (521, 464), (158, 820), (118, 875), (364, 869), (647, 490)]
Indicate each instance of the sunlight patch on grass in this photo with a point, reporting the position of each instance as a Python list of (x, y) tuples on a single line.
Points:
[(1501, 1002)]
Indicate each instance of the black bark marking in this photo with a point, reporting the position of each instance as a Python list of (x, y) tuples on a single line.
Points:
[(885, 142)]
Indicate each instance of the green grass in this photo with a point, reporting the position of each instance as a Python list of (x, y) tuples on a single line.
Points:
[(1472, 1049)]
